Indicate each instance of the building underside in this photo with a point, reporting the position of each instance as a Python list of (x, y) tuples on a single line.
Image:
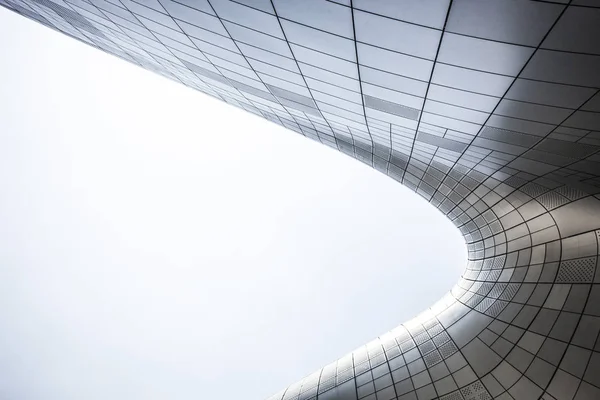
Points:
[(490, 110)]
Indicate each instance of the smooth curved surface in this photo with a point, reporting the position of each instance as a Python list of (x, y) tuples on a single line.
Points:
[(489, 110)]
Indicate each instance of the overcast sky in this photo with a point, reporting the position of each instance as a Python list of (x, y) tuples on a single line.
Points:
[(156, 243)]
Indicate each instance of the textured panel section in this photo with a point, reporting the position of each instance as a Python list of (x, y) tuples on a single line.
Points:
[(475, 391), (577, 271), (391, 108), (444, 143), (552, 200)]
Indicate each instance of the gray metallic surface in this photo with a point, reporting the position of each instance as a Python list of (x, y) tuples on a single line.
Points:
[(490, 110)]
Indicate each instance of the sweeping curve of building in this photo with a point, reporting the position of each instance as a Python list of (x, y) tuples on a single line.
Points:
[(490, 110)]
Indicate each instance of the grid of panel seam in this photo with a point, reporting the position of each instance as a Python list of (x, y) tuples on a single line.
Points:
[(490, 110)]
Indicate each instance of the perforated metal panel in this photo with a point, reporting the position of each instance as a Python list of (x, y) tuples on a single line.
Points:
[(577, 271)]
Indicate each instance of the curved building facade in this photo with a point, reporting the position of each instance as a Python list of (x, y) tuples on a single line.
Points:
[(490, 110)]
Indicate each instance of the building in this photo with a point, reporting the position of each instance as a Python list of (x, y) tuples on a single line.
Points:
[(490, 110)]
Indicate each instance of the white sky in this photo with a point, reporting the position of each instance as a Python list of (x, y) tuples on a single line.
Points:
[(156, 243)]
